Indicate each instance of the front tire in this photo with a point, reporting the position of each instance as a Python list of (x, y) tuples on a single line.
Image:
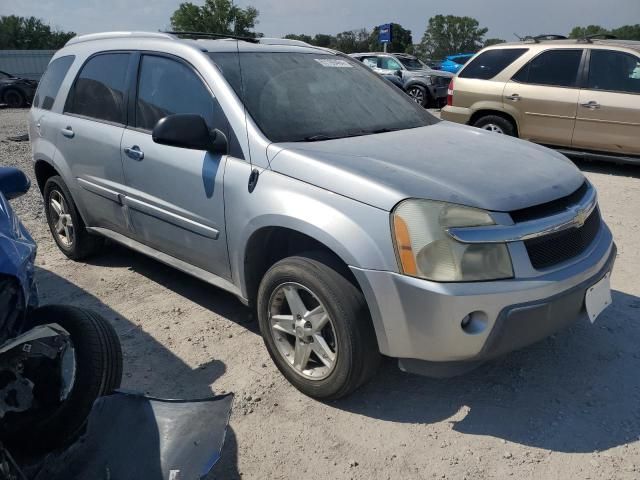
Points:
[(316, 327), (419, 95), (65, 223)]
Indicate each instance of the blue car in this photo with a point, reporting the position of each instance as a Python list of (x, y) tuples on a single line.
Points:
[(453, 63)]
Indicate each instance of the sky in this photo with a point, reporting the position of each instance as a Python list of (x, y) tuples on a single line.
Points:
[(503, 18)]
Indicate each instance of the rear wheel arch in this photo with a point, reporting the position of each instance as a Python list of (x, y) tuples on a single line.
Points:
[(44, 171)]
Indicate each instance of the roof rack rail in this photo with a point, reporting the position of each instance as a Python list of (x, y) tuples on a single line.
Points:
[(597, 36), (198, 35), (107, 35), (543, 37)]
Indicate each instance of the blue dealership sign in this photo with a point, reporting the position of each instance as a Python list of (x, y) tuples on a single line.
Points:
[(384, 33)]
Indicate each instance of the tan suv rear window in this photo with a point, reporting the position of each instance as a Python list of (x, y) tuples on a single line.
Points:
[(490, 63)]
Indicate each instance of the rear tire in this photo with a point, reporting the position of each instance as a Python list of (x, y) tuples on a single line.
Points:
[(65, 223), (98, 358), (353, 354), (496, 124)]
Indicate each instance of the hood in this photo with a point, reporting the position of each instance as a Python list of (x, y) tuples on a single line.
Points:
[(427, 72), (445, 161)]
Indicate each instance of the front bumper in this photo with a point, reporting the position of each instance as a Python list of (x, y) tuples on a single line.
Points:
[(421, 320), (438, 93), (456, 114)]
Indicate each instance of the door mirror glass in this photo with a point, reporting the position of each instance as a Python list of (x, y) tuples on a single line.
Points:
[(398, 73), (188, 130), (13, 182)]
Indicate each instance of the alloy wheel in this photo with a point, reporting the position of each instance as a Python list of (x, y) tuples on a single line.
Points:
[(492, 127), (61, 221), (417, 95), (303, 331)]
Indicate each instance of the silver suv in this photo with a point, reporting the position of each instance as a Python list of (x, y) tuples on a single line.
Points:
[(352, 220)]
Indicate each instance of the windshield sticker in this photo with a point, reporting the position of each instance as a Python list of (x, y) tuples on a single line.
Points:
[(333, 63)]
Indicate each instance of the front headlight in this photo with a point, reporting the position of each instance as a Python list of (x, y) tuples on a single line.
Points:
[(426, 250)]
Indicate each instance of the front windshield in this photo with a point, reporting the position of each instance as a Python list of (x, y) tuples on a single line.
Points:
[(296, 97), (412, 64)]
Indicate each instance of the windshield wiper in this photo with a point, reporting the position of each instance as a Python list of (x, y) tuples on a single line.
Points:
[(359, 133), (318, 138)]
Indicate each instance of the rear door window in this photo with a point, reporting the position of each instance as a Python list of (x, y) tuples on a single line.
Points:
[(491, 62), (558, 68), (99, 89), (614, 72), (51, 81)]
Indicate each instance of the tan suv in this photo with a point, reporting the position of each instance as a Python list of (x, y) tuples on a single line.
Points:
[(579, 96)]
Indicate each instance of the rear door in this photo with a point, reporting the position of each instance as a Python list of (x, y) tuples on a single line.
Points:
[(608, 116), (545, 94), (89, 134), (175, 195), (42, 125)]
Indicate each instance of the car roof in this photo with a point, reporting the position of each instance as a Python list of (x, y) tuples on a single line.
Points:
[(209, 42), (543, 44), (364, 54)]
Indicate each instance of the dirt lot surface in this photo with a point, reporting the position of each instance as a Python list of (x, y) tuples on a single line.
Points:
[(568, 407)]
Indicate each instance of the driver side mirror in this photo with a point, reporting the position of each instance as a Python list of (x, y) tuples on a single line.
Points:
[(398, 73), (13, 182), (186, 130)]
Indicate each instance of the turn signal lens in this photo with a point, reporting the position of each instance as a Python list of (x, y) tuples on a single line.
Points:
[(403, 246)]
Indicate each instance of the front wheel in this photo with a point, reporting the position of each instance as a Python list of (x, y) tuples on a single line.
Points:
[(316, 327), (418, 94)]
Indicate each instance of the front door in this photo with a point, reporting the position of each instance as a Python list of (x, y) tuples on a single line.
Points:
[(608, 117), (174, 195), (544, 94)]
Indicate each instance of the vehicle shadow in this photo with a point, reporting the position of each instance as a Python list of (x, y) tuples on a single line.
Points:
[(577, 391), (207, 296), (607, 168), (149, 367)]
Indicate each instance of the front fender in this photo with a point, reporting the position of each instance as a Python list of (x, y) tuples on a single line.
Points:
[(357, 233)]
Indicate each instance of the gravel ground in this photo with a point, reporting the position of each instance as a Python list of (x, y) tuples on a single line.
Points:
[(568, 407)]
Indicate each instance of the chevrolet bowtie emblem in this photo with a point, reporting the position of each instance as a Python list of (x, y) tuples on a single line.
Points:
[(580, 218)]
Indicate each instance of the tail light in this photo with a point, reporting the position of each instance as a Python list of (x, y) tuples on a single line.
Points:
[(450, 93)]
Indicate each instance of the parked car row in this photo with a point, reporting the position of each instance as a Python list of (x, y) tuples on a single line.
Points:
[(16, 92), (353, 221), (426, 86), (581, 97)]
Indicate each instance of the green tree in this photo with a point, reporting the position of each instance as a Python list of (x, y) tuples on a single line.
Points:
[(627, 32), (301, 37), (401, 40), (22, 33), (353, 41), (216, 16), (492, 41), (582, 32), (446, 35)]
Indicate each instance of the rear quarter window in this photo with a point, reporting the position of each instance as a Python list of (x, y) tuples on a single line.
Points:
[(491, 62), (51, 81)]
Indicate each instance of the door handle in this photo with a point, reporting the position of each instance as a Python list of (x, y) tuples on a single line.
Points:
[(592, 105), (134, 152), (515, 97), (68, 132)]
